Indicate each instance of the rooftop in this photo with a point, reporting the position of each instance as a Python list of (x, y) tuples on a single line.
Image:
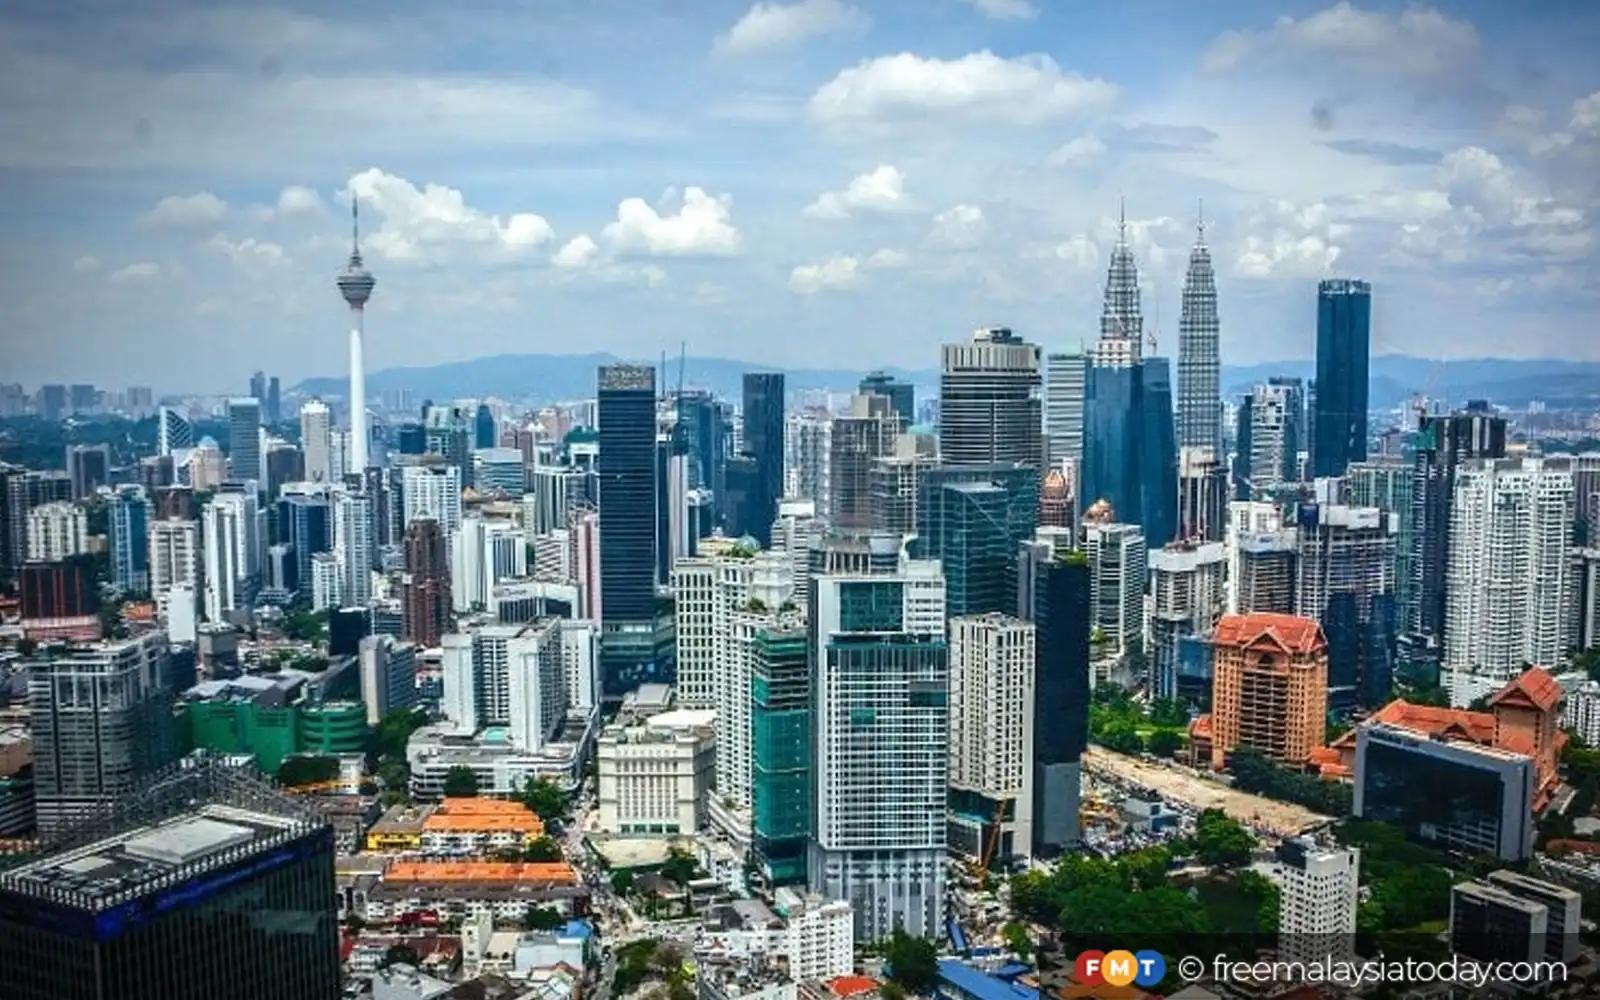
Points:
[(1258, 629)]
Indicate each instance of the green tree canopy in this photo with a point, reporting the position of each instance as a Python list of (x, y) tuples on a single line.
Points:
[(913, 962), (546, 799), (1220, 841), (307, 770), (460, 782)]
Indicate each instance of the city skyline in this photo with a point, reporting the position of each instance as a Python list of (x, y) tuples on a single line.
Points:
[(822, 166)]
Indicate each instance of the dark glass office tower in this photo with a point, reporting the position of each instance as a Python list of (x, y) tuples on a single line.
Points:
[(305, 523), (627, 467), (207, 882), (1158, 455), (483, 430), (1061, 697), (244, 438), (763, 442), (780, 755), (1344, 342), (973, 519), (990, 408), (1112, 437), (902, 395)]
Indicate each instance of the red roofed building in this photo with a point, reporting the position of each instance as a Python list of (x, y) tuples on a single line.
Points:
[(1269, 686)]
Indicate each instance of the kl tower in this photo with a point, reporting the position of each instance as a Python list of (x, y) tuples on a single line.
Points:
[(355, 284)]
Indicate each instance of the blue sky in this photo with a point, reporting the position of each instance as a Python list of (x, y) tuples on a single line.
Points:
[(821, 183)]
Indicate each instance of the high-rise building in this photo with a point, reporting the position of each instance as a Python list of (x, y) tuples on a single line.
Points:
[(1345, 580), (355, 286), (129, 521), (992, 664), (1065, 384), (1199, 365), (282, 463), (1387, 482), (897, 481), (1056, 505), (305, 524), (230, 533), (1442, 443), (1121, 342), (1270, 437), (52, 402), (483, 553), (174, 432), (433, 492), (1509, 580), (244, 438), (780, 754), (484, 434), (1270, 687), (388, 676), (1118, 557), (763, 441), (56, 531), (902, 395), (1564, 907), (972, 518), (426, 586), (1261, 559), (352, 547), (207, 467), (499, 470), (174, 560), (89, 466), (316, 423), (856, 440), (1319, 888), (26, 490), (537, 684), (807, 444), (1488, 924), (628, 528), (1186, 599), (881, 727), (1059, 607), (1158, 453), (156, 896), (1344, 343), (272, 410), (989, 400), (1202, 495), (101, 717)]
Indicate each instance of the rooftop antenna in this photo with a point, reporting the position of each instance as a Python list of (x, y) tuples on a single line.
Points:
[(1201, 223)]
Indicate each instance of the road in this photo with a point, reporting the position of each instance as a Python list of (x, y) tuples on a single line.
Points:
[(1282, 819)]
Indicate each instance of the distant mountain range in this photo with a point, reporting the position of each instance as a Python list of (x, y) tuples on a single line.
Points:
[(1394, 378)]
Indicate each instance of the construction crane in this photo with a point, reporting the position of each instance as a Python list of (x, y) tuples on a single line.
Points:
[(991, 845)]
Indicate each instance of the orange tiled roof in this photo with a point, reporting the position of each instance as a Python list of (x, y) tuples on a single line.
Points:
[(558, 872), (443, 822), (1430, 720), (1200, 726), (1535, 688), (477, 807), (849, 986), (1290, 633)]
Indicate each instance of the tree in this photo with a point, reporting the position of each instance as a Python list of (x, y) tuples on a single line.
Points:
[(892, 990), (622, 882), (546, 800), (1169, 713), (1016, 938), (543, 918), (913, 962), (1220, 841), (1164, 743), (400, 954), (680, 866), (307, 770), (1267, 896), (394, 731), (460, 782), (542, 849), (307, 626)]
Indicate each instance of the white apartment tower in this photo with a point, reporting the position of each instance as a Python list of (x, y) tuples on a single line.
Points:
[(352, 547), (991, 735), (1117, 562), (1509, 578), (1317, 907), (57, 530), (315, 423), (1065, 380)]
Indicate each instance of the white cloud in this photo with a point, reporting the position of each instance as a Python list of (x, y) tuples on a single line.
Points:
[(881, 189), (888, 259), (86, 263), (958, 227), (194, 211), (1004, 10), (133, 273), (768, 26), (979, 86), (299, 200), (1288, 240), (1586, 113), (702, 226), (248, 251), (832, 275), (435, 221), (1075, 151), (1079, 252), (576, 253), (1420, 41)]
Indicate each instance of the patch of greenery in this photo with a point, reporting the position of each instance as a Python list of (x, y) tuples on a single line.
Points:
[(1253, 772)]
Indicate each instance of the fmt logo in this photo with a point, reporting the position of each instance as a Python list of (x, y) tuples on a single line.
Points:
[(1119, 968)]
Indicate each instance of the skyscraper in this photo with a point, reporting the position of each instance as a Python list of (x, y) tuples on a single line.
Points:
[(203, 880), (483, 428), (808, 439), (230, 531), (1345, 580), (902, 395), (1118, 557), (352, 547), (426, 587), (355, 285), (1065, 385), (101, 718), (1509, 578), (26, 490), (244, 438), (989, 405), (129, 518), (992, 664), (1060, 610), (1443, 443), (315, 425), (763, 441), (627, 466), (972, 518), (1199, 368), (1158, 454), (1271, 434), (432, 491), (1344, 343), (780, 754), (865, 434), (1270, 687), (881, 719), (173, 431), (89, 465), (1186, 598)]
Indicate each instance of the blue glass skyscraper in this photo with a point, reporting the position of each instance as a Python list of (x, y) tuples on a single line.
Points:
[(1344, 343)]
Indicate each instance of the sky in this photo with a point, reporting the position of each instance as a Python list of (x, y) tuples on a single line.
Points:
[(818, 183)]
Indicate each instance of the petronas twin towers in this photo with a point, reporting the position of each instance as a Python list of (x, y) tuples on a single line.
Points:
[(1130, 450)]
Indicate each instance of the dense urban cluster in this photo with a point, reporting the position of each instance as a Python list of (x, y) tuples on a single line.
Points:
[(804, 694)]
